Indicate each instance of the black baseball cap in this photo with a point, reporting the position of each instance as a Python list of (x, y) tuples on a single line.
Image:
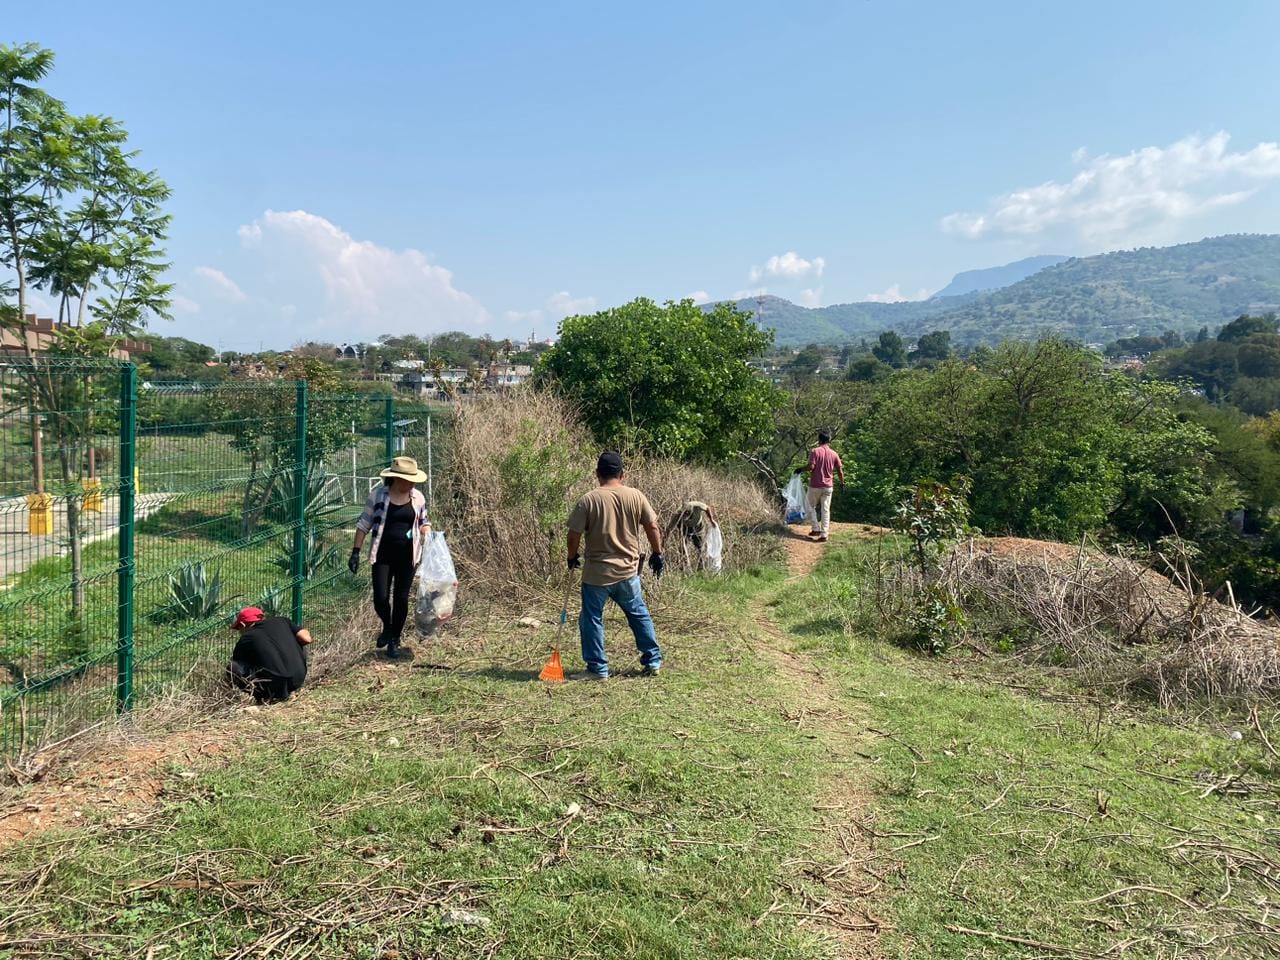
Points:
[(609, 464)]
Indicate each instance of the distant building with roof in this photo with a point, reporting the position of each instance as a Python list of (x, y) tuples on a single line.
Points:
[(39, 333)]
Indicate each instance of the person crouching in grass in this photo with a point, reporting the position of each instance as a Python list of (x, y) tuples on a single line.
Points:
[(268, 661)]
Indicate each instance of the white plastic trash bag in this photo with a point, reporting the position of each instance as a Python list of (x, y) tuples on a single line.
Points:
[(437, 585), (714, 548), (795, 499)]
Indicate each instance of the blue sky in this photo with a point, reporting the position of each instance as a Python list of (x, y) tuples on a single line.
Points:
[(342, 171)]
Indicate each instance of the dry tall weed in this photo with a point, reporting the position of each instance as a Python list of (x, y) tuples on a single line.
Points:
[(1117, 618), (518, 464)]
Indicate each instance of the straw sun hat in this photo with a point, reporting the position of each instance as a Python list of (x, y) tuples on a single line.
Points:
[(406, 468)]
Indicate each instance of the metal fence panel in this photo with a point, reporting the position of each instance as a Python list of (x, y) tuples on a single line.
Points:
[(138, 516)]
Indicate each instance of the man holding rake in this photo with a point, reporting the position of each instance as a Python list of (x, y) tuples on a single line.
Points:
[(610, 519)]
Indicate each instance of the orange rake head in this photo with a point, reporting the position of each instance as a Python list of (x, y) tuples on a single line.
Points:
[(553, 672)]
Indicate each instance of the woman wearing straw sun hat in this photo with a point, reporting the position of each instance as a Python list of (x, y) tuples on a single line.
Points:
[(396, 513)]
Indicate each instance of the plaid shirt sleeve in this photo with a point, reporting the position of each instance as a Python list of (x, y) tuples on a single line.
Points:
[(365, 523)]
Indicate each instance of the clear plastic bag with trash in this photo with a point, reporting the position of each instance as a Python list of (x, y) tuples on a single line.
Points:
[(714, 549), (437, 585), (794, 495)]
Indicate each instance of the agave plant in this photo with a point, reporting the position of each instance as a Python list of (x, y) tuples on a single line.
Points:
[(317, 556), (320, 494), (193, 594), (274, 602)]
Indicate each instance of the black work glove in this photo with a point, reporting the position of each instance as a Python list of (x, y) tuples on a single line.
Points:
[(353, 561), (575, 562), (657, 564), (799, 471)]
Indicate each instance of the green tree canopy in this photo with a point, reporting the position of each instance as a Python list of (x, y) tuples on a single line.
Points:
[(1246, 326), (890, 349), (671, 379), (1054, 446), (933, 346)]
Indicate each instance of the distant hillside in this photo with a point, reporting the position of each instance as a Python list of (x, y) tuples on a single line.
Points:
[(1144, 291), (993, 278), (1092, 299)]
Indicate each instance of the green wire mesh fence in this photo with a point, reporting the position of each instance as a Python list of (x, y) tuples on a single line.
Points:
[(138, 516)]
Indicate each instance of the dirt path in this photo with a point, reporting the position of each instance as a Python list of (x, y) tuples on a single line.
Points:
[(849, 909), (804, 553)]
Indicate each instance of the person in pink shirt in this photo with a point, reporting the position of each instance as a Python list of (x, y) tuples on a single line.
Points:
[(824, 467)]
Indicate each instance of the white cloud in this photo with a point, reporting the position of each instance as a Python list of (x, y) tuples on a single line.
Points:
[(351, 289), (698, 296), (811, 298), (1135, 196), (184, 305), (220, 284), (546, 318), (894, 294), (788, 266)]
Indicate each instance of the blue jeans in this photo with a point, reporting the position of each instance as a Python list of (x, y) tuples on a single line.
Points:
[(626, 595)]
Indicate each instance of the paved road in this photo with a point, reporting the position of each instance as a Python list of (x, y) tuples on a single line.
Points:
[(19, 550)]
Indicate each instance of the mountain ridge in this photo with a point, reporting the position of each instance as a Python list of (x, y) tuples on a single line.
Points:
[(993, 278), (1099, 298)]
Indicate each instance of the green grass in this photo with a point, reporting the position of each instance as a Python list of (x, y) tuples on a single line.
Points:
[(995, 821), (377, 805), (1039, 809)]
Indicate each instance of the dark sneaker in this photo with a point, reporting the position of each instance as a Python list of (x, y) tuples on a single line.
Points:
[(588, 675), (393, 650), (382, 639), (652, 670), (823, 538)]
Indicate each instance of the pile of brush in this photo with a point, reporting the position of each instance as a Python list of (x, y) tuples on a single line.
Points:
[(1108, 613)]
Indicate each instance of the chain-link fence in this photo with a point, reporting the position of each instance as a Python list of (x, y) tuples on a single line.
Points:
[(136, 516)]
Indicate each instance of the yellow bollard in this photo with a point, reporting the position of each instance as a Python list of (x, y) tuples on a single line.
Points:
[(39, 514), (92, 495)]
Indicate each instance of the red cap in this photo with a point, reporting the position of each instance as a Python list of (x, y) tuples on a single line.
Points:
[(248, 617)]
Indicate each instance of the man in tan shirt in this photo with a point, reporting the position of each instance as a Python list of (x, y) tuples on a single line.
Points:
[(610, 519)]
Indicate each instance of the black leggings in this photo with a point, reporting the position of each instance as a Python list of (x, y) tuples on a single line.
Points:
[(392, 579)]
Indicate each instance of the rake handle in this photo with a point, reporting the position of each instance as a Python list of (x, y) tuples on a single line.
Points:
[(564, 608)]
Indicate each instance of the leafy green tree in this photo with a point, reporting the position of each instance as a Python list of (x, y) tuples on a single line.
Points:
[(1259, 357), (890, 350), (672, 379), (867, 369), (1246, 326), (806, 364), (1054, 446), (1213, 365), (81, 224), (1254, 396), (933, 346)]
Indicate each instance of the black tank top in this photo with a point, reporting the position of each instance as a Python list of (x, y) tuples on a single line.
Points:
[(397, 531)]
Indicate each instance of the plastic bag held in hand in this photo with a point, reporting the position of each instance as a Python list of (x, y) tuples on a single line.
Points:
[(437, 585), (794, 495), (714, 549)]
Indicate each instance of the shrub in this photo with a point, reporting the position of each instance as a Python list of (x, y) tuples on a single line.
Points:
[(193, 595)]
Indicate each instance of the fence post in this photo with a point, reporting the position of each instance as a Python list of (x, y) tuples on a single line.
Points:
[(299, 499), (390, 416), (125, 515), (431, 484)]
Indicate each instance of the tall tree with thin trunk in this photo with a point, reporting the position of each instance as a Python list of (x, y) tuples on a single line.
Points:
[(83, 225)]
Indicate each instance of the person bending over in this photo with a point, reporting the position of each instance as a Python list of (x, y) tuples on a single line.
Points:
[(268, 661)]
